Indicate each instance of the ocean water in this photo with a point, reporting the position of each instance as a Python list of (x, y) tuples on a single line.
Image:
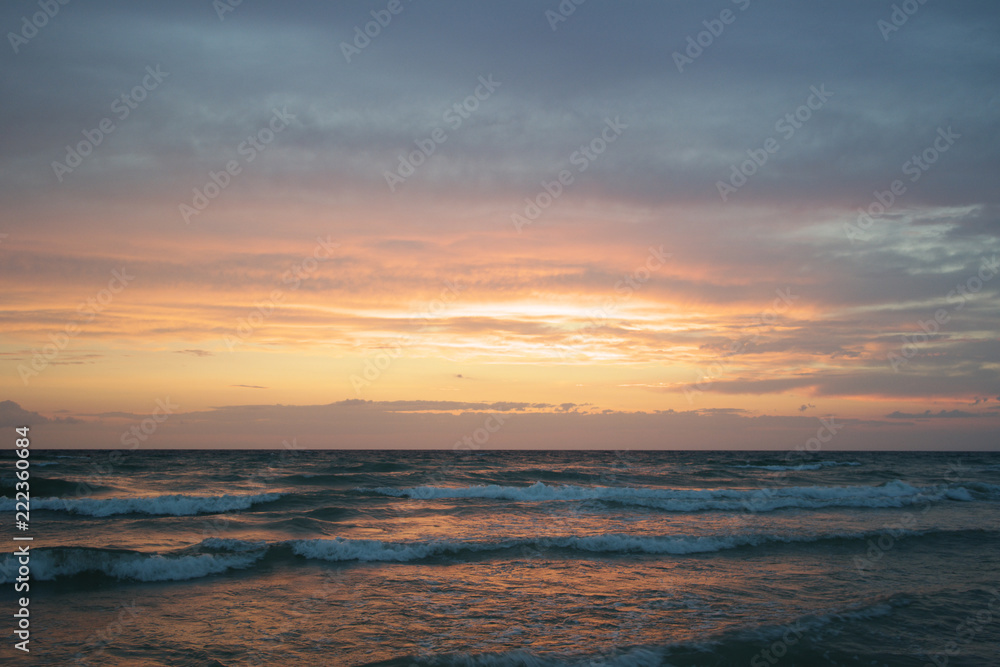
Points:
[(508, 558)]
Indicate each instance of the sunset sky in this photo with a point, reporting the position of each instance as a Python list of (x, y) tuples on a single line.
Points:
[(621, 237)]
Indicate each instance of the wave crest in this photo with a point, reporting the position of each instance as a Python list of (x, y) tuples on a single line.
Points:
[(171, 505), (890, 494), (218, 555), (49, 564)]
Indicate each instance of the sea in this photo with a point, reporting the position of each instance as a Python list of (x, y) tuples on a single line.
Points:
[(505, 558)]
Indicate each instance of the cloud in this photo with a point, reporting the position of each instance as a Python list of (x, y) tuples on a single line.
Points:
[(686, 129), (563, 293), (719, 412), (402, 425), (12, 414), (964, 379), (941, 414)]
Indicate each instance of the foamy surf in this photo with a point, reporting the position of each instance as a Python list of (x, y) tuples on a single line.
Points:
[(218, 555), (342, 549), (171, 505), (60, 562), (890, 494)]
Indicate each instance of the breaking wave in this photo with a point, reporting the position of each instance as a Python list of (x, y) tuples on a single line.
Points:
[(890, 494), (172, 505), (215, 556)]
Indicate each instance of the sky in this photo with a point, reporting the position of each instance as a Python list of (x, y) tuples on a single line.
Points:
[(395, 223)]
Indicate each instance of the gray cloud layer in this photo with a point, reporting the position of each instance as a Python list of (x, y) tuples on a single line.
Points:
[(608, 59)]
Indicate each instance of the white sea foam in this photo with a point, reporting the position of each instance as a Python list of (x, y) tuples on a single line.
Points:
[(159, 568), (890, 494), (341, 549), (217, 555), (172, 505), (50, 564)]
